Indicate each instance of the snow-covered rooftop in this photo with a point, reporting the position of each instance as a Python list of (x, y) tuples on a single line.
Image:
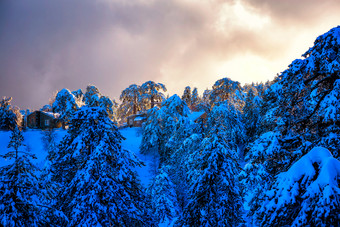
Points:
[(54, 115), (195, 115), (139, 118)]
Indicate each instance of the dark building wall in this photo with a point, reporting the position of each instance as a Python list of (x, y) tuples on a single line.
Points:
[(38, 119), (32, 120)]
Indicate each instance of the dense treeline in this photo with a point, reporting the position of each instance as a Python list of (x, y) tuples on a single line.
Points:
[(266, 154)]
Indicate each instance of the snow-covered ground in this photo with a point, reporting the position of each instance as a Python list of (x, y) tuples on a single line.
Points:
[(33, 143), (133, 138)]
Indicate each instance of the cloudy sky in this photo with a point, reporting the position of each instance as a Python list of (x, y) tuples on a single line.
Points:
[(47, 45)]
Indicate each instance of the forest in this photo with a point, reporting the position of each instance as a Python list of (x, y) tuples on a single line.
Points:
[(265, 154)]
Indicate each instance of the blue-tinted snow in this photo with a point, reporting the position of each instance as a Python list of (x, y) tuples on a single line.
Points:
[(133, 138), (195, 115), (33, 143)]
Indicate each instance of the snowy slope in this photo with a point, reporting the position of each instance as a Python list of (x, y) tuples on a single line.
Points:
[(33, 143), (133, 138)]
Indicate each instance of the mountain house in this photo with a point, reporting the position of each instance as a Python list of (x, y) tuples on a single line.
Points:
[(136, 120), (43, 120)]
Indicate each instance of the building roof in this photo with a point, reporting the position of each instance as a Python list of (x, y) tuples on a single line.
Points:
[(50, 114), (195, 115), (54, 115), (139, 118)]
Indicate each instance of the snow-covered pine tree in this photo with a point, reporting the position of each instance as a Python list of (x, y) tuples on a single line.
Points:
[(309, 99), (214, 196), (195, 99), (65, 104), (151, 133), (99, 184), (49, 187), (226, 120), (186, 97), (265, 159), (223, 90), (163, 197), (46, 108), (110, 106), (92, 96), (251, 113), (183, 129), (169, 114), (79, 96), (182, 162), (151, 94), (8, 118), (308, 194), (130, 99), (19, 187)]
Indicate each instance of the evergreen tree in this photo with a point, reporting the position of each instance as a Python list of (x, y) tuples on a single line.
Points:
[(151, 94), (79, 96), (223, 90), (161, 124), (183, 161), (19, 188), (265, 159), (99, 184), (172, 110), (110, 106), (195, 99), (307, 194), (8, 117), (310, 89), (251, 113), (164, 200), (186, 97), (226, 120), (50, 187), (92, 96), (130, 99), (214, 197), (65, 104), (151, 133)]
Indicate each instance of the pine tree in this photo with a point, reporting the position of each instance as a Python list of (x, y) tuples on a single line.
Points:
[(99, 184), (172, 110), (251, 113), (151, 133), (195, 99), (19, 187), (226, 120), (214, 197), (164, 199), (79, 96), (92, 96), (183, 161), (130, 99), (186, 97), (110, 106), (223, 90), (8, 117), (50, 188), (65, 104), (307, 194), (310, 90), (151, 94)]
